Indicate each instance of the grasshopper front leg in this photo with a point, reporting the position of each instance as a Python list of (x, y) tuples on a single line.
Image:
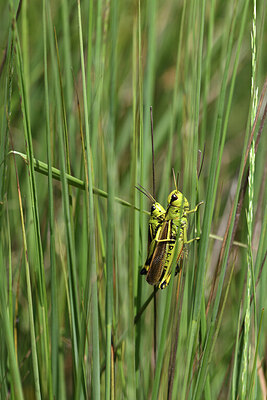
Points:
[(194, 209)]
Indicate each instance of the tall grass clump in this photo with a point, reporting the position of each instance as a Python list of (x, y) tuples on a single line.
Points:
[(77, 83)]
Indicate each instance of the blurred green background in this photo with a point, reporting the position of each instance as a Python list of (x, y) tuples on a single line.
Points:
[(77, 82)]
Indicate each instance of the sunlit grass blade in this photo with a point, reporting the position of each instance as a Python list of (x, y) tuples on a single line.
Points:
[(92, 272)]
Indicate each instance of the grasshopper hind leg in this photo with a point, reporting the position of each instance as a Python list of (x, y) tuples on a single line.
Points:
[(165, 283), (145, 268), (178, 269), (143, 271)]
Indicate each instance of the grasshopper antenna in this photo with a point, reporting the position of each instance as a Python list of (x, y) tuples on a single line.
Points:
[(153, 179), (153, 157), (201, 161), (174, 179), (145, 192), (177, 181)]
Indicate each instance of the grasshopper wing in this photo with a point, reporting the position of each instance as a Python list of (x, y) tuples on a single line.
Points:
[(157, 259)]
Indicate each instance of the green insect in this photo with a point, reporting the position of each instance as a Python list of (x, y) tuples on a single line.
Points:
[(177, 219), (157, 215), (169, 233), (166, 230)]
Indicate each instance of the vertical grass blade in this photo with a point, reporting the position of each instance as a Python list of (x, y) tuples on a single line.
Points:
[(37, 234), (77, 82), (54, 301), (111, 182), (8, 335), (91, 230)]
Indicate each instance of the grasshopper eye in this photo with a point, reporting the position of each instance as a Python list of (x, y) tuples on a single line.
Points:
[(174, 197), (153, 208)]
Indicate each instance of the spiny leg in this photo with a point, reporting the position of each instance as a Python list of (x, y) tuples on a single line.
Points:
[(192, 240), (194, 209)]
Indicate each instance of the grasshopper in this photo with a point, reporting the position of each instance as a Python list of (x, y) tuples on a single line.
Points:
[(157, 215), (166, 230), (166, 233), (176, 219)]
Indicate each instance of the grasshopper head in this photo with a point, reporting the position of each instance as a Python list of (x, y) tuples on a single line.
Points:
[(156, 217), (157, 211), (176, 200)]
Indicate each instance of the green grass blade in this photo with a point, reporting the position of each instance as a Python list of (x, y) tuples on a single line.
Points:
[(207, 356), (72, 272), (54, 300), (42, 167), (110, 205), (37, 234), (91, 231), (77, 82)]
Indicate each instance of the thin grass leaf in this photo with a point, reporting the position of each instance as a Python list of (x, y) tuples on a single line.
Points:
[(54, 300), (109, 381), (191, 62), (8, 335), (92, 274), (37, 234), (42, 167)]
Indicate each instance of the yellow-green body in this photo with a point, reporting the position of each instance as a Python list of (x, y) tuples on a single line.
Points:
[(168, 234), (176, 214), (156, 219)]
